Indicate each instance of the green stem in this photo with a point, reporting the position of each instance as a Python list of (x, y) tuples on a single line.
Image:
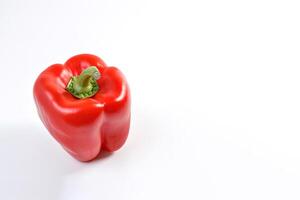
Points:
[(85, 85)]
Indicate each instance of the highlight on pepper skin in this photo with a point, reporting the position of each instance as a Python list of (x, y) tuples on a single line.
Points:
[(85, 105)]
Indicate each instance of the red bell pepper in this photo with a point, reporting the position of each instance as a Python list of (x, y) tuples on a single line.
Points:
[(85, 105)]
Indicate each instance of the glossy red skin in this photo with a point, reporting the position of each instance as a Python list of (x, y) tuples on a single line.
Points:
[(84, 126)]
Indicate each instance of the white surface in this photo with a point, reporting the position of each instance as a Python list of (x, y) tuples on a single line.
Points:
[(215, 98)]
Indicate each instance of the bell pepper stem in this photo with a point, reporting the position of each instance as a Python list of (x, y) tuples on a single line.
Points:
[(85, 85), (84, 79)]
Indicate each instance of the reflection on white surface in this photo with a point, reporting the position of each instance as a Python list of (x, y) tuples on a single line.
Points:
[(32, 166)]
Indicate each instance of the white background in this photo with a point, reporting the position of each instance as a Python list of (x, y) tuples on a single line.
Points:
[(215, 98)]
